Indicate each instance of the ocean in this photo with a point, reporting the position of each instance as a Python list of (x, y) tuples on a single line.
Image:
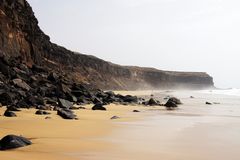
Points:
[(230, 92)]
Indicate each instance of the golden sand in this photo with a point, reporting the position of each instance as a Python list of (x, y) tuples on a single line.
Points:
[(57, 138)]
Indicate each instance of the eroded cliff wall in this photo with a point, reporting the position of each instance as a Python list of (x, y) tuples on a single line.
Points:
[(20, 36)]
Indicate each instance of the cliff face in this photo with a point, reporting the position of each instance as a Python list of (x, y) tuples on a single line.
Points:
[(20, 36)]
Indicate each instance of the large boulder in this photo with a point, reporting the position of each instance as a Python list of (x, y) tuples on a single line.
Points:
[(64, 103), (8, 113), (66, 114), (175, 100), (170, 105), (152, 102), (13, 141)]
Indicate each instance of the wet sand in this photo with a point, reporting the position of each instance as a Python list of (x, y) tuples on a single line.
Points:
[(195, 131)]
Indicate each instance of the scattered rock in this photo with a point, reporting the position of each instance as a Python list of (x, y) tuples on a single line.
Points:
[(26, 86), (98, 106), (152, 102), (48, 117), (8, 113), (13, 141), (175, 100), (114, 117), (41, 112), (208, 103), (136, 111), (66, 114), (170, 104)]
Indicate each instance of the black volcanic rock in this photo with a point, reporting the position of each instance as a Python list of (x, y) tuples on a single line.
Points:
[(34, 100), (136, 110), (8, 113), (41, 112), (152, 102), (6, 98), (13, 109), (208, 103), (114, 117), (170, 104), (53, 77), (66, 114), (65, 103), (13, 141), (175, 100), (97, 100), (130, 99), (20, 83), (99, 106)]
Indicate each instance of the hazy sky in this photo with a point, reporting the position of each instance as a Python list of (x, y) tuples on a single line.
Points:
[(183, 35)]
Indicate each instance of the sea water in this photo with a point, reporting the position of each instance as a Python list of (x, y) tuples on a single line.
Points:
[(230, 92)]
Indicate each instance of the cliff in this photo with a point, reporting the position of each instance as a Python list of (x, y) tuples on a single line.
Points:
[(20, 36)]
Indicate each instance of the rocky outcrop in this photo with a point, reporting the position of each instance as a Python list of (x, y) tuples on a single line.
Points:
[(21, 37)]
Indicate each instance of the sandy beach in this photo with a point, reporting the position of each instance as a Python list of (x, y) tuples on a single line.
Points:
[(194, 131), (57, 138)]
